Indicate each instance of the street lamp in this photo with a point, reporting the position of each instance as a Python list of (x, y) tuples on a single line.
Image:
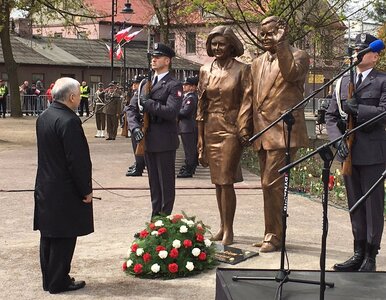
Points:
[(126, 10)]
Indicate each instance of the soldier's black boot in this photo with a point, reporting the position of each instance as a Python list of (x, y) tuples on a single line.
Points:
[(354, 262), (182, 169), (186, 173), (368, 264)]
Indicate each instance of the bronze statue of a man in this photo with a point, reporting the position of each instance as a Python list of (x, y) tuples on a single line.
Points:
[(220, 91), (277, 84)]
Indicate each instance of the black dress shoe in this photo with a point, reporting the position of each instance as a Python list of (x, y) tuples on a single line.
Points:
[(134, 172), (73, 286), (368, 265), (109, 139)]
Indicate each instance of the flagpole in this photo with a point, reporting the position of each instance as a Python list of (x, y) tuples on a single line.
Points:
[(113, 4)]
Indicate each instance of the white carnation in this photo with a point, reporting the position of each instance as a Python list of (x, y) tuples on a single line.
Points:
[(184, 220), (139, 251), (169, 217), (208, 243), (190, 266), (154, 233), (155, 268), (129, 263), (176, 244), (159, 223), (196, 252), (183, 229), (163, 254), (190, 223)]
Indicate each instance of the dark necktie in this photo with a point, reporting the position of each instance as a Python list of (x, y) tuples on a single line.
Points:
[(155, 80), (359, 81)]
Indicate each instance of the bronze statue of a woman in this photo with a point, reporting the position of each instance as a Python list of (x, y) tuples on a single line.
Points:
[(221, 91)]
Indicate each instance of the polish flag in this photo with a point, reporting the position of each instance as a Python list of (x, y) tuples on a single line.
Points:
[(110, 51), (120, 35), (119, 52), (131, 36)]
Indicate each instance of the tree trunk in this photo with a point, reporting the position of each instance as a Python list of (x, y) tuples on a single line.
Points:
[(9, 61)]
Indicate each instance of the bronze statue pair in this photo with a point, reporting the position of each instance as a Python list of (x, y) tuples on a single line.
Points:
[(237, 100)]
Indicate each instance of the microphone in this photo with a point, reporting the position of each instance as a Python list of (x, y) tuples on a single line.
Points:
[(375, 46)]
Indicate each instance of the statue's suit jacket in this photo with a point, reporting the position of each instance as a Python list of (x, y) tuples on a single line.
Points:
[(277, 84)]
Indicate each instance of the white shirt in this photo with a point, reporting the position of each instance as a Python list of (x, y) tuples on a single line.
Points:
[(160, 76), (364, 74)]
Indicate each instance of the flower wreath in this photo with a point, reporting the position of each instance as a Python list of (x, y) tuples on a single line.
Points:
[(170, 246)]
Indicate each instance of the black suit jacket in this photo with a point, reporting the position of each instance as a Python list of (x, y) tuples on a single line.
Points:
[(187, 114), (369, 145), (63, 175), (163, 108)]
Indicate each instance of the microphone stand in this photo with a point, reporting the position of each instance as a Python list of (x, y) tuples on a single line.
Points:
[(365, 196), (326, 154), (282, 275)]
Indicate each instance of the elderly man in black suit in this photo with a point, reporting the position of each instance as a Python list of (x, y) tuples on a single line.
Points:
[(63, 190), (368, 154), (161, 141)]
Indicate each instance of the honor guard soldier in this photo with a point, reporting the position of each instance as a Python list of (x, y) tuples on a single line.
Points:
[(368, 153), (162, 104), (188, 127), (139, 165), (113, 110)]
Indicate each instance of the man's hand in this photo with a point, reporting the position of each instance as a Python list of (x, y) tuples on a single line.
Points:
[(350, 106), (143, 99), (88, 198), (342, 148), (282, 31), (138, 134), (244, 140)]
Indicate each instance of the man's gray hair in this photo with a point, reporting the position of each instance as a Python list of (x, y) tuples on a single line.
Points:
[(63, 89)]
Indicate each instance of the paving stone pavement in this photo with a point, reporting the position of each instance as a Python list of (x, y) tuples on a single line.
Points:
[(124, 209)]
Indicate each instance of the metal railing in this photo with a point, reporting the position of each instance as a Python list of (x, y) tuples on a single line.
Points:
[(30, 105)]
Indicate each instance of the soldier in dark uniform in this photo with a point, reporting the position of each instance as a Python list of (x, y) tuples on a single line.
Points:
[(139, 165), (368, 154), (188, 127), (163, 104), (113, 110)]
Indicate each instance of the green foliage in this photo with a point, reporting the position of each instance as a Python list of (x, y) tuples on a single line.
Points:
[(382, 61), (169, 247)]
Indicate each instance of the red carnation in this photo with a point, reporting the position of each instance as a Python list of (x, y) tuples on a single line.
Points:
[(134, 247), (173, 253), (173, 268), (124, 266), (160, 248), (176, 218), (144, 233), (331, 181), (200, 228), (152, 226), (138, 268), (146, 257), (162, 230), (202, 256), (199, 237), (187, 243)]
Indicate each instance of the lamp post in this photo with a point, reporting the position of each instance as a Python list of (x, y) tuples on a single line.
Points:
[(126, 10)]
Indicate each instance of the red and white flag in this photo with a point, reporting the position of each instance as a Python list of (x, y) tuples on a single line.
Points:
[(119, 52), (120, 35), (131, 36), (110, 51)]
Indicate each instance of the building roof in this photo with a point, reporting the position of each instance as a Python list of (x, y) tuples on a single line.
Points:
[(142, 11), (80, 52)]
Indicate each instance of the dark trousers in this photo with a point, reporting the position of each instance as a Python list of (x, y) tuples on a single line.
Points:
[(100, 119), (139, 159), (112, 126), (189, 143), (55, 262), (83, 103), (3, 106), (367, 220), (162, 180)]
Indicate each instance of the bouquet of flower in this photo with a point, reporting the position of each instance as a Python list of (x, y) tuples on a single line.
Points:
[(170, 246)]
